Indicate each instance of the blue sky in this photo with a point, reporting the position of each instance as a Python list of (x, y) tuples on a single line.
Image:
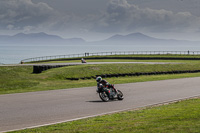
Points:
[(100, 19)]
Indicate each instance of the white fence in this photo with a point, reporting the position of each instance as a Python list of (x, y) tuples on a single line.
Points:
[(112, 53)]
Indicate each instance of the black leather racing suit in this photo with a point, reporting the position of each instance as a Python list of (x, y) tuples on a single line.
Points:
[(105, 84)]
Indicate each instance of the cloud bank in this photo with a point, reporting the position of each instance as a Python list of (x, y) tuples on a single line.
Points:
[(23, 14), (122, 16), (119, 17)]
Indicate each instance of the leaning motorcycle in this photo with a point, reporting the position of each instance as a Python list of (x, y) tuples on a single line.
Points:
[(106, 94)]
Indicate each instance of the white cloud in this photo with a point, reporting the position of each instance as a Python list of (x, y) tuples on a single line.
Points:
[(22, 13), (28, 28), (122, 16)]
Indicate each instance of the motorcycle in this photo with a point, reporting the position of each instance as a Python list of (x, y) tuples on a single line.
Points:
[(83, 61), (106, 94)]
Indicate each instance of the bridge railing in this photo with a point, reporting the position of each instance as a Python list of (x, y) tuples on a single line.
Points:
[(42, 58)]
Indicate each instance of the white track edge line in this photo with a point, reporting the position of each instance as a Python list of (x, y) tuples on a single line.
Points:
[(112, 112)]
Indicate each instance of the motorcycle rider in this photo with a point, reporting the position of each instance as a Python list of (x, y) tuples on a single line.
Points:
[(103, 83), (83, 60)]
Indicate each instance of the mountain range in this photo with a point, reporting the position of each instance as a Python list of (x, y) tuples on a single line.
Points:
[(43, 38), (37, 38), (140, 39)]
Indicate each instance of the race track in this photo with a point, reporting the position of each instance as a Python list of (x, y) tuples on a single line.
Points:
[(26, 110)]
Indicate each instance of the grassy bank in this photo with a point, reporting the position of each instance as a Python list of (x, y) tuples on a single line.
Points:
[(93, 70), (179, 117), (21, 79)]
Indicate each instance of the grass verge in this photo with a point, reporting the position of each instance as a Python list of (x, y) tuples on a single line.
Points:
[(20, 79), (179, 117)]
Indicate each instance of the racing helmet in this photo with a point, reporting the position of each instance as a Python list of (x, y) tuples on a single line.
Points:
[(98, 79)]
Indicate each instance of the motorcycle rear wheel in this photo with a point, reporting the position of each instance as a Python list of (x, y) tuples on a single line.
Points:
[(104, 97)]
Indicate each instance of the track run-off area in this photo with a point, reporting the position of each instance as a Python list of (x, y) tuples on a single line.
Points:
[(34, 109)]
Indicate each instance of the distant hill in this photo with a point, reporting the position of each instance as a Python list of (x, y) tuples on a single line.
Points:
[(47, 39), (139, 38), (131, 37), (37, 38)]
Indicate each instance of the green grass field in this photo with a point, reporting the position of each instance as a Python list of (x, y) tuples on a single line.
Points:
[(21, 79)]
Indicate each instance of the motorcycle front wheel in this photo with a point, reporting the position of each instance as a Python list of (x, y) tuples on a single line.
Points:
[(104, 97), (120, 95)]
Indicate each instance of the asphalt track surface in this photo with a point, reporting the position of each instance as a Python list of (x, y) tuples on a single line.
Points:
[(28, 110)]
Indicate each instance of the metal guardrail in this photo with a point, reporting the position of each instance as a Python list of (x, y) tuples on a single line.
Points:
[(111, 53)]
